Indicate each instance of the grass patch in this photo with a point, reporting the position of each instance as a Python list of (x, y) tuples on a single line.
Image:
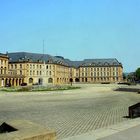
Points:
[(38, 88)]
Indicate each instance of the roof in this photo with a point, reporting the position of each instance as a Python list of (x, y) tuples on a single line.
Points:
[(3, 55), (36, 57), (101, 62)]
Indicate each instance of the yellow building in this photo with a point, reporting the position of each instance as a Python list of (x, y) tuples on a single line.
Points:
[(39, 69), (8, 77), (45, 69)]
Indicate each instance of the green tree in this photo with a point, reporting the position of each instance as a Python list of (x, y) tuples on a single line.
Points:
[(138, 74), (124, 76)]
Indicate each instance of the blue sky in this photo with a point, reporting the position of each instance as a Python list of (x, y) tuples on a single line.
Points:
[(75, 29)]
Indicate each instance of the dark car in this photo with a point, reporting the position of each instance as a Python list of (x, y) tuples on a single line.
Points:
[(8, 85), (24, 84)]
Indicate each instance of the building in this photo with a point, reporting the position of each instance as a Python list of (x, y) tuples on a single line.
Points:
[(42, 69), (96, 71), (39, 69), (8, 77)]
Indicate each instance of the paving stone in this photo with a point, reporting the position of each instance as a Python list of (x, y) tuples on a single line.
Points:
[(70, 113)]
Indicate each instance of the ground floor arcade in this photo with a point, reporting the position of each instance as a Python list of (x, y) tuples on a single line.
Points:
[(11, 81)]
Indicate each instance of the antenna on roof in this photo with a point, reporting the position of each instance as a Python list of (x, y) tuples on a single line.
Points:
[(43, 48), (43, 59)]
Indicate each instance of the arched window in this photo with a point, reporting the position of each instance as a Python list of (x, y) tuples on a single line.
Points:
[(30, 80), (50, 80), (40, 81)]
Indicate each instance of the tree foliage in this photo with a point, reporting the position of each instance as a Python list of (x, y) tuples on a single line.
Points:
[(138, 73)]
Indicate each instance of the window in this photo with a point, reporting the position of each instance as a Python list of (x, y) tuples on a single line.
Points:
[(47, 67), (30, 80), (5, 62), (50, 80), (21, 66), (30, 72), (108, 73), (5, 70), (1, 70)]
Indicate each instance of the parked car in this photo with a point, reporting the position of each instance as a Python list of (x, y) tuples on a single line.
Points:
[(8, 85), (23, 84)]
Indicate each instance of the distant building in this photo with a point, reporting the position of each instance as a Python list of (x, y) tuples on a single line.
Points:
[(42, 69)]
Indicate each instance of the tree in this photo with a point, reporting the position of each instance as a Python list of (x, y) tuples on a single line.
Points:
[(124, 76), (138, 74)]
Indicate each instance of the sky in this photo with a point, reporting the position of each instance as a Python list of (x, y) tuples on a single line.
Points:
[(74, 29)]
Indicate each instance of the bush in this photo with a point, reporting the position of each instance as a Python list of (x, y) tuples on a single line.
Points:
[(25, 89)]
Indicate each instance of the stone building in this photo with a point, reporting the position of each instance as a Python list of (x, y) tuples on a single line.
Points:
[(39, 69), (42, 69), (8, 77), (96, 71)]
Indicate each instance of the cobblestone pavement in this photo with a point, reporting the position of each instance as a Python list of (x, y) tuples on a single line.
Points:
[(69, 112)]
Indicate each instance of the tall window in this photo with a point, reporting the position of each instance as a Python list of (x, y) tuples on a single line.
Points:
[(50, 72), (1, 70), (5, 70), (21, 66), (1, 62)]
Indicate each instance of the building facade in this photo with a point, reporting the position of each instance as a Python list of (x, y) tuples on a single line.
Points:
[(41, 69), (8, 77)]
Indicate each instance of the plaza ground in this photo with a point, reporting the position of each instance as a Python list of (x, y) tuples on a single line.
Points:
[(71, 112)]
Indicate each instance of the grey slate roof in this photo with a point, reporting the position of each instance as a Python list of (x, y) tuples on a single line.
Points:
[(36, 57), (4, 55)]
